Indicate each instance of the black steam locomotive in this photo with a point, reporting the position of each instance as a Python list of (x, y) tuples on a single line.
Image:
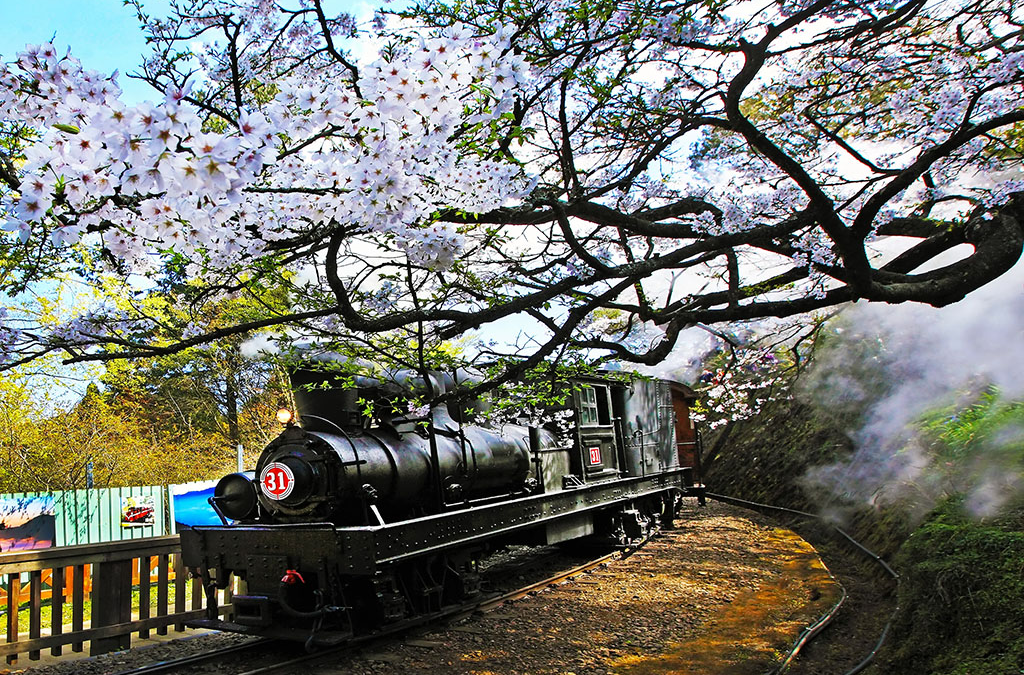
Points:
[(363, 516)]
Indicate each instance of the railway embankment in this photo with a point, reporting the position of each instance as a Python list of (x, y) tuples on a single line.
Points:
[(959, 605)]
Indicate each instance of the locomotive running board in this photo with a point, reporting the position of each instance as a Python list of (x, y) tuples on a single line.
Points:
[(432, 534), (245, 549)]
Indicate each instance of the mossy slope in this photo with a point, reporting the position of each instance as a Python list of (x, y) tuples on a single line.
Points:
[(961, 598)]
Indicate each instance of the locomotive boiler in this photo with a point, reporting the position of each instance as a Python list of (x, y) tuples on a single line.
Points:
[(365, 513)]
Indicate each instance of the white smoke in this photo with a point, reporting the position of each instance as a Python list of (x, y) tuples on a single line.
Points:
[(260, 346), (927, 358), (686, 360)]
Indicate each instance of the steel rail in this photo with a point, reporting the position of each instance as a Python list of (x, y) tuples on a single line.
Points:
[(451, 614), (173, 665), (814, 629)]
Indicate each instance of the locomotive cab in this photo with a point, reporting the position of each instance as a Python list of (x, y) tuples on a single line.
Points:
[(632, 429), (599, 443)]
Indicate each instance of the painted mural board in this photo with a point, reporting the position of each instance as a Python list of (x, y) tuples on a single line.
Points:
[(190, 503), (27, 522), (91, 516), (97, 515), (138, 511)]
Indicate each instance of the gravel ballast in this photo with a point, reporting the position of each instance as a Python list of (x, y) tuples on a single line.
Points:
[(726, 592)]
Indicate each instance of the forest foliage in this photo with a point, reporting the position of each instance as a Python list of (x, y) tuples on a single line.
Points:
[(146, 423), (962, 594)]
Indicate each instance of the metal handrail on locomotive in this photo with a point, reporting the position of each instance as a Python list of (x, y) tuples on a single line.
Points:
[(361, 516)]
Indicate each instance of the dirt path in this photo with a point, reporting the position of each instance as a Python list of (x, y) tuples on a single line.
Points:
[(725, 594)]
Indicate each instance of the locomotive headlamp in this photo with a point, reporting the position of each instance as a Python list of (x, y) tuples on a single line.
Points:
[(285, 416), (235, 495)]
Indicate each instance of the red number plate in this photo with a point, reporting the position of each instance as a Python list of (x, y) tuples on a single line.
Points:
[(277, 480)]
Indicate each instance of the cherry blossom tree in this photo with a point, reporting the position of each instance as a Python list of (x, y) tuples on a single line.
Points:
[(498, 163)]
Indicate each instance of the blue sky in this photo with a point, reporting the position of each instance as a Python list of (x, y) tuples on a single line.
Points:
[(103, 34)]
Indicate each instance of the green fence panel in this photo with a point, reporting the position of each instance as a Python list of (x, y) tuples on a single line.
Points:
[(99, 515)]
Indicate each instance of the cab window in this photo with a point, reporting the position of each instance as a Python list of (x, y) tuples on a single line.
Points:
[(594, 406), (588, 407)]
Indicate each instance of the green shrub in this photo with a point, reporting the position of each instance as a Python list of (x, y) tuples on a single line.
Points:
[(961, 597)]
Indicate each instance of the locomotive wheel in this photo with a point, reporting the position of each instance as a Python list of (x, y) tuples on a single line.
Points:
[(379, 600), (633, 522), (422, 584), (462, 580)]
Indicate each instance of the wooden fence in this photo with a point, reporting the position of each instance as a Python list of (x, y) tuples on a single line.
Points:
[(97, 593)]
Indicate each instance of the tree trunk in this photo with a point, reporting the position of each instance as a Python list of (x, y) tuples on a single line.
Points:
[(231, 405)]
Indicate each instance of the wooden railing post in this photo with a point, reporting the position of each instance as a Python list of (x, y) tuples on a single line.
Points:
[(13, 592), (145, 574), (163, 567), (180, 586), (111, 604), (78, 605), (57, 607), (35, 614)]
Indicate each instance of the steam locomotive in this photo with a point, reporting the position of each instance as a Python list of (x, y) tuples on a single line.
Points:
[(366, 514)]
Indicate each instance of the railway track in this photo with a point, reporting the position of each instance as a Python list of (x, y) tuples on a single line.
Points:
[(191, 662), (815, 629), (211, 659), (414, 639)]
